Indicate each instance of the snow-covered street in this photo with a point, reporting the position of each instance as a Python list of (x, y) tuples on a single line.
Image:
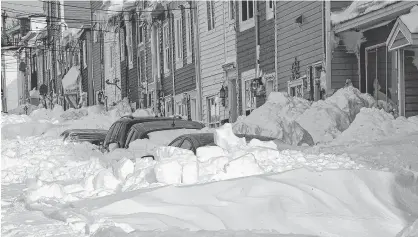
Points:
[(348, 184)]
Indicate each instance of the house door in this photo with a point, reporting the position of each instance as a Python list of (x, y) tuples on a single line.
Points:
[(381, 81), (232, 97)]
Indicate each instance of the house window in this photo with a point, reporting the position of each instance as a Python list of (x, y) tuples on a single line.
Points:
[(129, 43), (122, 44), (111, 56), (246, 14), (231, 10), (179, 41), (166, 49), (269, 9), (250, 98), (188, 36), (84, 54), (58, 62), (140, 35), (211, 14), (213, 112)]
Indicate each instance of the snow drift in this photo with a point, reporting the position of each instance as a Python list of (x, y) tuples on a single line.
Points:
[(277, 118)]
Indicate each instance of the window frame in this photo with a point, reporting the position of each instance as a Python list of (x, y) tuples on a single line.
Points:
[(140, 34), (249, 22), (231, 10), (210, 5), (84, 53), (270, 11), (129, 42), (189, 36), (166, 41), (217, 121), (122, 44), (178, 32)]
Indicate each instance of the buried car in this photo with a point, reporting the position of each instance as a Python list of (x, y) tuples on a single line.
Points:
[(143, 130), (117, 131)]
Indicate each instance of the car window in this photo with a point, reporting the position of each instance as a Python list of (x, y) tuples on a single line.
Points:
[(176, 142), (186, 144), (129, 139), (112, 135)]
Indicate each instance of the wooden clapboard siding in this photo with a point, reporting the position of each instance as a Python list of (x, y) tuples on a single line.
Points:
[(216, 46), (305, 42), (411, 85), (344, 66), (84, 70), (112, 64), (123, 63), (133, 72), (267, 44), (339, 5), (79, 10), (96, 53)]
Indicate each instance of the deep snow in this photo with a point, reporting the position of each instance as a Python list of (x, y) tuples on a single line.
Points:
[(361, 178)]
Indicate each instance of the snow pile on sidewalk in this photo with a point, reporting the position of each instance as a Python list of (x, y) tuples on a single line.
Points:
[(373, 124), (20, 110), (358, 8), (277, 118), (326, 119), (14, 119)]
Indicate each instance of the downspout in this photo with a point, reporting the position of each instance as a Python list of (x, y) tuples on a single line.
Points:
[(275, 45), (135, 45), (197, 62), (257, 43), (225, 74), (328, 53), (92, 26), (137, 65), (172, 58)]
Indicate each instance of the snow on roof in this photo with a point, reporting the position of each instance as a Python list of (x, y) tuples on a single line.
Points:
[(358, 8), (411, 20)]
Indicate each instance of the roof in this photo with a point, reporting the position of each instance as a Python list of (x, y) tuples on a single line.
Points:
[(405, 31), (364, 14), (411, 20)]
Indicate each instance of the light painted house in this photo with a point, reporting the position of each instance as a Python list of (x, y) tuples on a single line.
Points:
[(217, 38)]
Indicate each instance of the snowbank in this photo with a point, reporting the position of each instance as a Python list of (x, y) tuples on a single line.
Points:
[(277, 118), (294, 202), (374, 124), (358, 8), (22, 130), (20, 110), (325, 120)]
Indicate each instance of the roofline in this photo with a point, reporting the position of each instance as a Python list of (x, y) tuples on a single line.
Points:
[(388, 12)]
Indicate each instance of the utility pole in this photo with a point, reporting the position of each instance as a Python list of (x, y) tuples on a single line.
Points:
[(3, 66)]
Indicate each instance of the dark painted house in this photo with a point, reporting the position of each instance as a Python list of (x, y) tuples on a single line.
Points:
[(97, 52), (384, 56), (170, 58), (85, 37), (255, 52)]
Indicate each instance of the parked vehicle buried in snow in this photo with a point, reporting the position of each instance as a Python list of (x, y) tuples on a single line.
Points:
[(117, 132), (142, 130), (193, 141)]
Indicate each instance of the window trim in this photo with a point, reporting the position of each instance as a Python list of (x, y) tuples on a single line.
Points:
[(122, 44), (166, 41), (208, 108), (129, 42), (249, 23), (189, 36), (84, 54), (140, 35), (178, 23), (270, 11), (231, 10), (211, 15)]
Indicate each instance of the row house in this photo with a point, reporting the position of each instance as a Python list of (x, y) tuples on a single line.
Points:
[(378, 50), (218, 60), (167, 58)]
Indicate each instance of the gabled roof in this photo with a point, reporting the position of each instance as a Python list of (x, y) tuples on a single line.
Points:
[(373, 15), (405, 31)]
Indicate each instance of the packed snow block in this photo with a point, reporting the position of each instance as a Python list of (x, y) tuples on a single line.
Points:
[(245, 165), (118, 154), (190, 174), (168, 172), (350, 100), (225, 138), (213, 166), (324, 121), (276, 118), (105, 180), (258, 143), (208, 152), (169, 152), (123, 168)]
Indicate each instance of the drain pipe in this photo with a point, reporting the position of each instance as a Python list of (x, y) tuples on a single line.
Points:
[(257, 46), (172, 58), (197, 62)]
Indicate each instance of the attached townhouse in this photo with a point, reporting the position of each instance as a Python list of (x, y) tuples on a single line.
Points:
[(168, 60), (87, 92), (255, 53), (218, 61), (380, 43)]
